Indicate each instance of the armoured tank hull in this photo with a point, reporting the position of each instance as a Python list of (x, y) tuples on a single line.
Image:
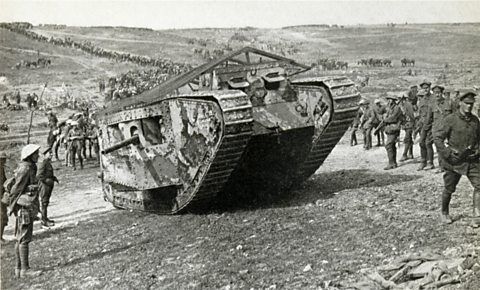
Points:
[(232, 126)]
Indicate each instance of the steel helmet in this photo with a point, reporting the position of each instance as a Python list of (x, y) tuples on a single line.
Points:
[(28, 150)]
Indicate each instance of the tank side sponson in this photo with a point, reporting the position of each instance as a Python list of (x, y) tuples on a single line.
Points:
[(345, 98)]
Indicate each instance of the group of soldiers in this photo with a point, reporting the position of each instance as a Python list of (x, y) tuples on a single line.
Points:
[(32, 100), (75, 135), (167, 66), (446, 121)]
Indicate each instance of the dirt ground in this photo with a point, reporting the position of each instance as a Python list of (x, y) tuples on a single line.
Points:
[(349, 218)]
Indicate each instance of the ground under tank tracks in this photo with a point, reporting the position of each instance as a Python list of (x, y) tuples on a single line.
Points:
[(345, 106)]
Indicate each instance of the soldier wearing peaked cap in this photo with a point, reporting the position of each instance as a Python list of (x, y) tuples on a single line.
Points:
[(392, 121), (46, 181), (441, 107), (23, 197), (461, 156), (412, 95)]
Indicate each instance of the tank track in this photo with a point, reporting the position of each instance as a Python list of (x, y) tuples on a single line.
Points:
[(345, 106), (214, 174)]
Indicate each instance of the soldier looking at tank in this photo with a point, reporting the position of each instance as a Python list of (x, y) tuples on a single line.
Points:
[(23, 197), (425, 122), (392, 121), (408, 125), (46, 181), (461, 156)]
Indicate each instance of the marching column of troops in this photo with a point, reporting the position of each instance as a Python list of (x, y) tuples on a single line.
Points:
[(438, 119)]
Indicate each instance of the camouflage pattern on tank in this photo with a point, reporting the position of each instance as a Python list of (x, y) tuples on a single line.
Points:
[(246, 122)]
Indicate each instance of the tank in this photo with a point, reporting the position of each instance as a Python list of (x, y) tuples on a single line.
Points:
[(246, 122)]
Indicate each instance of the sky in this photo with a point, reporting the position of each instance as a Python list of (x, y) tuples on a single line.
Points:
[(239, 13)]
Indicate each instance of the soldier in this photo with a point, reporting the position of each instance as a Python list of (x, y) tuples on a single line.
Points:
[(4, 201), (441, 108), (93, 142), (366, 124), (52, 119), (67, 143), (392, 121), (75, 136), (355, 125), (379, 110), (425, 122), (412, 95), (24, 204), (426, 86), (408, 126), (461, 156), (46, 181)]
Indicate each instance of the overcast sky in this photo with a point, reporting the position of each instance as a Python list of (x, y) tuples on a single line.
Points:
[(196, 14)]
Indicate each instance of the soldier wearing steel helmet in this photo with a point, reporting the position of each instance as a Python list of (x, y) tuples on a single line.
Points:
[(461, 155), (392, 121), (75, 136), (24, 204), (408, 125), (379, 110)]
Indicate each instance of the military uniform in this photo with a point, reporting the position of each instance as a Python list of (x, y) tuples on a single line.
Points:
[(425, 127), (379, 111), (355, 125), (461, 157), (46, 180), (441, 107), (392, 121), (24, 204), (4, 203), (75, 136), (408, 126), (366, 126)]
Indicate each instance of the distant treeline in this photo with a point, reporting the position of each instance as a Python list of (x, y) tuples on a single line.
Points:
[(314, 26)]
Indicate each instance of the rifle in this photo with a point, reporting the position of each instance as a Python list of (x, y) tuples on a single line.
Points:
[(375, 131)]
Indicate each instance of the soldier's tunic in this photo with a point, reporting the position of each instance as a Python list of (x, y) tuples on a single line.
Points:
[(460, 131), (440, 109), (366, 125), (24, 177), (46, 180), (426, 137), (379, 111), (392, 120), (408, 126), (355, 125)]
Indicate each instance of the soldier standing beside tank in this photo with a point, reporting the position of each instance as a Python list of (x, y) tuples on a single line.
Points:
[(366, 124), (461, 156), (408, 126), (441, 108), (425, 127), (4, 201), (355, 125), (392, 121), (46, 181), (24, 204), (379, 110), (75, 136)]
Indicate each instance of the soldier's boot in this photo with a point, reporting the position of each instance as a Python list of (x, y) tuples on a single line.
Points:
[(429, 165), (81, 163), (46, 222), (422, 165), (2, 229), (391, 160), (446, 197)]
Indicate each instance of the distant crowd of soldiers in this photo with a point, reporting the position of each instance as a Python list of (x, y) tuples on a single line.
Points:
[(131, 83), (74, 135), (166, 66), (13, 101)]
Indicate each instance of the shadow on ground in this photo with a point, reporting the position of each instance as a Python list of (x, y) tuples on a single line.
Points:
[(320, 186)]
